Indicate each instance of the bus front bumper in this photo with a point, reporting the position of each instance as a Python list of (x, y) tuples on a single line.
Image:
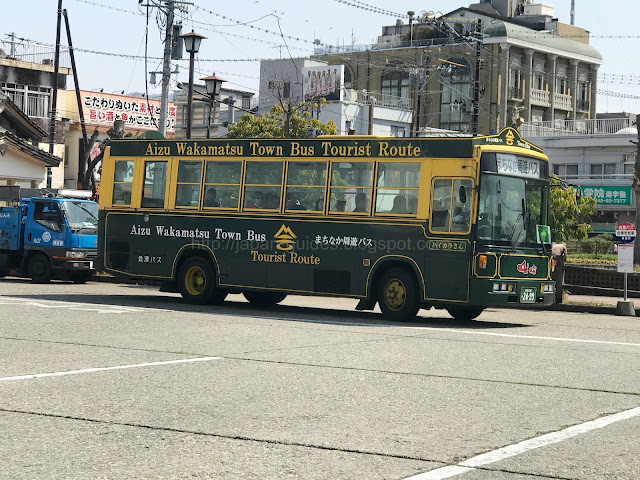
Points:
[(514, 293)]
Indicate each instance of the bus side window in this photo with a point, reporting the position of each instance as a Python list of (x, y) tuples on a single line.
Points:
[(262, 185), (188, 183), (397, 188), (351, 187), (441, 205), (223, 178), (155, 184), (122, 182), (305, 186)]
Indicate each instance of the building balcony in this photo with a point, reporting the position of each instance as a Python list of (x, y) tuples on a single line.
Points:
[(376, 98), (540, 98), (575, 127), (563, 102)]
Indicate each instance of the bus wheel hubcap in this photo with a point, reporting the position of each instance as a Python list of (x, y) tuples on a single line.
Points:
[(395, 294), (195, 281)]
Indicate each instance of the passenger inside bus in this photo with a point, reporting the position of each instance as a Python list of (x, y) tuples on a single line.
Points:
[(399, 204), (341, 206), (293, 203), (211, 198), (361, 203)]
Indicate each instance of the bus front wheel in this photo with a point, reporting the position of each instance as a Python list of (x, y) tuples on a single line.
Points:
[(398, 295), (465, 314), (264, 298), (39, 268), (197, 282)]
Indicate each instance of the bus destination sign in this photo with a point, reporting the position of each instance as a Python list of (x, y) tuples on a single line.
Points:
[(510, 164)]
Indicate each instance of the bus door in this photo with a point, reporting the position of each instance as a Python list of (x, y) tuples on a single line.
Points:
[(448, 258)]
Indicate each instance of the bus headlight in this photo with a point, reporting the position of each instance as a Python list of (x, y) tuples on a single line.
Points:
[(546, 288), (504, 287), (74, 254)]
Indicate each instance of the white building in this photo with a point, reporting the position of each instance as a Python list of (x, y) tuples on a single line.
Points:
[(598, 156), (288, 81)]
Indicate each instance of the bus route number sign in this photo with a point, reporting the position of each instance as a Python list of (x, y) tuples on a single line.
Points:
[(625, 233)]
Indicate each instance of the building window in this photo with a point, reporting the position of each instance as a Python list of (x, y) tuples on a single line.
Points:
[(515, 83), (561, 85), (286, 90), (603, 170), (566, 171), (395, 87), (32, 100), (246, 103), (538, 78), (455, 101)]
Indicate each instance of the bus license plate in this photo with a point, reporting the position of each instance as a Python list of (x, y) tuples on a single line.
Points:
[(528, 295)]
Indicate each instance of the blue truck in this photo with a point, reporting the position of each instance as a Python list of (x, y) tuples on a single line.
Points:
[(47, 234)]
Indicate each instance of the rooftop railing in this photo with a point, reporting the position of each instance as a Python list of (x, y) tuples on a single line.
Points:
[(559, 128)]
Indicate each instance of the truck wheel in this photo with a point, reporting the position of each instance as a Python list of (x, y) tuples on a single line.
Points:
[(39, 268), (398, 295), (196, 281), (264, 298), (80, 277), (465, 314)]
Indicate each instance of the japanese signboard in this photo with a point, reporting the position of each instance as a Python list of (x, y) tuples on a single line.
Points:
[(625, 258), (625, 233), (608, 194), (510, 164), (136, 113)]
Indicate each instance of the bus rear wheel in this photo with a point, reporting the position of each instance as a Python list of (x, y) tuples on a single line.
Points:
[(398, 295), (39, 268), (196, 281), (264, 298), (465, 314)]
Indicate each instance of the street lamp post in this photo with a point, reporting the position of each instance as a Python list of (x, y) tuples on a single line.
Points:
[(213, 85), (192, 45)]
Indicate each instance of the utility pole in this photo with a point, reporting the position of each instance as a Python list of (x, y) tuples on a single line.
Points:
[(166, 69), (476, 80), (54, 99), (636, 189)]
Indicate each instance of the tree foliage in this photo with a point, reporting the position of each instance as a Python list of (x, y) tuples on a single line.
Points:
[(569, 219), (284, 120)]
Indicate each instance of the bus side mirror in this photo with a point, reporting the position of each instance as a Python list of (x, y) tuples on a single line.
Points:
[(462, 194)]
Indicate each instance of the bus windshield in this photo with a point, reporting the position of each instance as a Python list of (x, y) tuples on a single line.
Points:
[(81, 215), (510, 209)]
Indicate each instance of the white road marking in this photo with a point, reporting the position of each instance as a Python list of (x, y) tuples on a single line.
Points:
[(524, 446), (104, 369), (88, 307)]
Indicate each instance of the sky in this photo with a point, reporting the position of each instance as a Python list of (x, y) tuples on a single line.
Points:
[(109, 37)]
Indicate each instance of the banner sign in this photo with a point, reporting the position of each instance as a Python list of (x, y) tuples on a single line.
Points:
[(608, 194), (136, 113), (326, 81)]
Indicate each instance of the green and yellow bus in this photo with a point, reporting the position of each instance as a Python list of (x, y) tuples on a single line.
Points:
[(408, 223)]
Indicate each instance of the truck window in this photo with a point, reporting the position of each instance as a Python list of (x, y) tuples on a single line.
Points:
[(48, 215)]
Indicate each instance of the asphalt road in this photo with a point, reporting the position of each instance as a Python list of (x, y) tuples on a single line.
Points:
[(121, 381)]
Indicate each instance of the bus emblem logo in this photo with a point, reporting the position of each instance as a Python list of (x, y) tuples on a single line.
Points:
[(525, 268), (510, 137), (285, 238)]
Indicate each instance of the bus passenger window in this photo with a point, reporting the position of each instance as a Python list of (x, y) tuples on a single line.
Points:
[(224, 179), (122, 182), (305, 186), (155, 184), (263, 181), (461, 205), (397, 188), (188, 184), (350, 187), (441, 205)]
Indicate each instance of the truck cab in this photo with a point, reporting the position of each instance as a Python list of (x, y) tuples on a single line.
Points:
[(46, 237)]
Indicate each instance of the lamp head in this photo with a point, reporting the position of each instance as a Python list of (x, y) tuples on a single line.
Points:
[(213, 84), (192, 41)]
